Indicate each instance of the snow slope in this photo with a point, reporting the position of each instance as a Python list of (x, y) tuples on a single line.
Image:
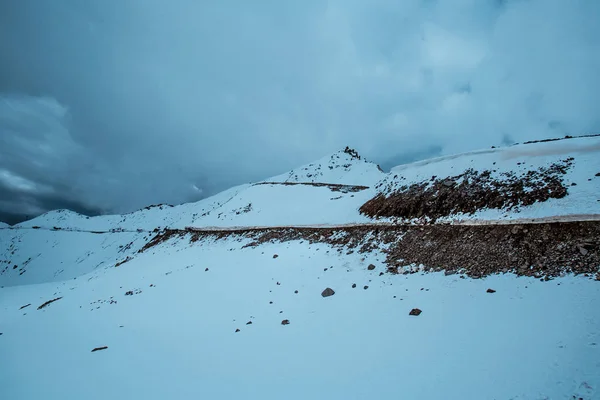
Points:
[(3, 225), (175, 335), (270, 203), (146, 219), (30, 256), (582, 178)]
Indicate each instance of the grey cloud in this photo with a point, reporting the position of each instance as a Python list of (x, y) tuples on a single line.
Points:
[(118, 104)]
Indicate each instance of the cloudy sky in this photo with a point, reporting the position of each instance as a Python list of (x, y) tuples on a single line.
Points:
[(110, 105)]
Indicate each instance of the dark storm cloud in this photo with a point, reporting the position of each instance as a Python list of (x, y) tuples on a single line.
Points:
[(111, 105)]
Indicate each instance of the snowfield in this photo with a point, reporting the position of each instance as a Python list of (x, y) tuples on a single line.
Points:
[(89, 310), (175, 336)]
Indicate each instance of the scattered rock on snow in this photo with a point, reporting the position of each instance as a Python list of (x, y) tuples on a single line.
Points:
[(237, 330), (275, 255), (353, 285), (295, 291), (48, 302), (327, 292), (249, 323), (490, 291), (26, 305), (366, 287), (371, 267), (206, 269), (415, 312), (99, 348), (285, 322)]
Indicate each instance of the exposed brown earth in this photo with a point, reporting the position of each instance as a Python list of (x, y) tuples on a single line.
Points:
[(469, 192), (543, 250)]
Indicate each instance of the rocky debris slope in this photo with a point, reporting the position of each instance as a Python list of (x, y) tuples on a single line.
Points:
[(542, 250), (469, 192)]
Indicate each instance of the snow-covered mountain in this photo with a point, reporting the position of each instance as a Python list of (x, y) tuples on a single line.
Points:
[(327, 191), (226, 297)]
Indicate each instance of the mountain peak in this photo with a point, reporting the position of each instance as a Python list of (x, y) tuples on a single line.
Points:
[(345, 166), (352, 153)]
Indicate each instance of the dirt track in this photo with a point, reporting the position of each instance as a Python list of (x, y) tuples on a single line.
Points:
[(457, 222)]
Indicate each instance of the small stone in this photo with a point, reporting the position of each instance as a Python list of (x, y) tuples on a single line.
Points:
[(205, 269), (275, 255), (270, 302), (415, 312), (327, 292), (353, 285), (490, 291), (278, 283), (381, 273), (249, 323), (365, 287), (99, 348), (371, 267), (237, 330), (285, 322)]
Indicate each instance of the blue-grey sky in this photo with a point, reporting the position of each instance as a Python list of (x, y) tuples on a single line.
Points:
[(110, 105)]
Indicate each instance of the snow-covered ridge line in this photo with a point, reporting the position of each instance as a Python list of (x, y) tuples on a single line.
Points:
[(335, 187), (304, 196), (547, 147)]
